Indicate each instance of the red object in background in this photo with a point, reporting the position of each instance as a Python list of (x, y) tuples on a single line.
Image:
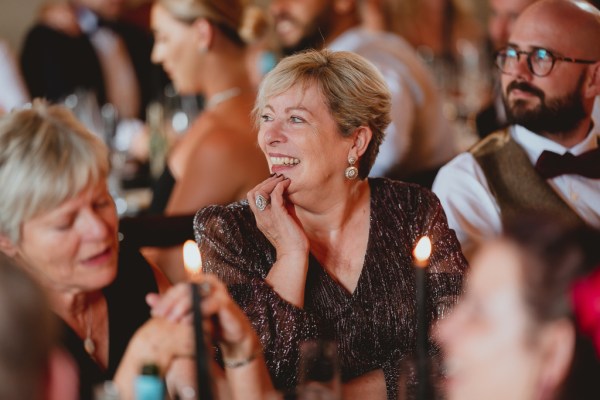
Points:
[(139, 16), (585, 298)]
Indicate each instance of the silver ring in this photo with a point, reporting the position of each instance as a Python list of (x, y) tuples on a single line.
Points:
[(261, 202)]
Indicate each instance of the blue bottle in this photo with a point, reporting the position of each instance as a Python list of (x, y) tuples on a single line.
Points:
[(149, 385)]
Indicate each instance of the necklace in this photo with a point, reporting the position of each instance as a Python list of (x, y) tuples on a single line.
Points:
[(88, 343), (222, 96)]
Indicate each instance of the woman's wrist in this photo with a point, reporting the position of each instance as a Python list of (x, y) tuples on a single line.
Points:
[(241, 354), (232, 363)]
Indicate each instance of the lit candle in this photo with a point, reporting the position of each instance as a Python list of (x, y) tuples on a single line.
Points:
[(421, 255), (193, 266), (192, 260)]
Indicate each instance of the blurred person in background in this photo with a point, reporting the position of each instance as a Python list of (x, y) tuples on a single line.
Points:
[(83, 45), (32, 365), (527, 323), (419, 138), (58, 222), (13, 93), (218, 160)]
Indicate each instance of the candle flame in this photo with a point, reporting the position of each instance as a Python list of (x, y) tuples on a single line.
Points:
[(422, 250), (191, 258)]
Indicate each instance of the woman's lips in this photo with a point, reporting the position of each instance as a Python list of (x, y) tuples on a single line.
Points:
[(99, 258)]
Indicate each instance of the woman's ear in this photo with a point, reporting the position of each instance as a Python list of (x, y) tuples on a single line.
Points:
[(362, 137), (558, 347), (204, 33), (7, 246)]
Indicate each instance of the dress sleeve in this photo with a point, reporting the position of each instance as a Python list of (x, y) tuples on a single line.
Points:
[(236, 251)]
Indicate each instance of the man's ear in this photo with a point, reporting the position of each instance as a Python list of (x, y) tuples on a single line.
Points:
[(558, 346), (592, 82), (362, 138), (7, 246)]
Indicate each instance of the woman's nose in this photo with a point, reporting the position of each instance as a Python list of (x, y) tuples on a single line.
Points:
[(273, 133), (94, 225)]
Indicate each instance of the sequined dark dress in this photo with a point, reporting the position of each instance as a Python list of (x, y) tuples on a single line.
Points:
[(375, 325)]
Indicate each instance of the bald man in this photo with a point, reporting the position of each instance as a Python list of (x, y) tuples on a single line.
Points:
[(503, 14), (550, 77)]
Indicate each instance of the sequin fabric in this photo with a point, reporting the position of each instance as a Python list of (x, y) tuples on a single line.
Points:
[(375, 326)]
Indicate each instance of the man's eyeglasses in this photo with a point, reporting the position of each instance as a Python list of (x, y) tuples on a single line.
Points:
[(540, 61)]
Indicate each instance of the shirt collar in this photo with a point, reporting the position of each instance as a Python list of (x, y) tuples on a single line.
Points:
[(535, 144)]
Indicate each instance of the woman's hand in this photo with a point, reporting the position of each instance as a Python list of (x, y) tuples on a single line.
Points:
[(223, 319), (277, 221)]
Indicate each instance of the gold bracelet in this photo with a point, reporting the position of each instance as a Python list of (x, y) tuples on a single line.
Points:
[(239, 363)]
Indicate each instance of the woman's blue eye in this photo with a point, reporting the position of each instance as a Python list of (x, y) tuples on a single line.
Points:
[(265, 118), (296, 120)]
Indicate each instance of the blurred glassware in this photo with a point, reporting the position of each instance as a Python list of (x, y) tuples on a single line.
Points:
[(319, 371), (408, 382)]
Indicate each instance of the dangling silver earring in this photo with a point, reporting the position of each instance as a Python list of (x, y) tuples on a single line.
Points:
[(351, 172)]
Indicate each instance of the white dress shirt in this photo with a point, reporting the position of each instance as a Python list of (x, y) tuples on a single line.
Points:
[(416, 102), (12, 89), (471, 208)]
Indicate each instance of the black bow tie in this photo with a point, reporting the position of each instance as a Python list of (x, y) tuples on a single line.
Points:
[(550, 164)]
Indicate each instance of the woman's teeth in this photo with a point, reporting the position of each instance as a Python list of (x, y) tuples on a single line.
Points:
[(284, 161)]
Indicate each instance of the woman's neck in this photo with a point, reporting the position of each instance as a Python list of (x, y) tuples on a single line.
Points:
[(332, 214), (73, 306)]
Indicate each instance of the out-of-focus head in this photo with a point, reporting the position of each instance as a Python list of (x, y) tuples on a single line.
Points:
[(308, 24), (31, 366), (345, 88), (512, 334), (503, 14), (27, 335), (185, 32), (543, 91), (107, 9), (57, 218)]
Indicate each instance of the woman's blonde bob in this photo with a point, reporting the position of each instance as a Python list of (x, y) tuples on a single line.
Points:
[(353, 89)]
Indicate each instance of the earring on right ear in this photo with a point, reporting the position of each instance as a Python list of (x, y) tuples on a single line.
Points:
[(351, 172)]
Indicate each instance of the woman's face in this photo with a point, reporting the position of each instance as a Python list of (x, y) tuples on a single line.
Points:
[(487, 340), (175, 48), (301, 140), (73, 247)]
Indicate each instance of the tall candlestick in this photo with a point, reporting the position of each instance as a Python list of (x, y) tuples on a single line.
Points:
[(421, 259), (193, 266)]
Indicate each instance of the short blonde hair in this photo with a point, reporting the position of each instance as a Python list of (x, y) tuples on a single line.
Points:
[(354, 91), (46, 158)]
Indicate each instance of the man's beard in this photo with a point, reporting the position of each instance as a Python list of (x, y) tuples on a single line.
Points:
[(315, 33), (550, 116)]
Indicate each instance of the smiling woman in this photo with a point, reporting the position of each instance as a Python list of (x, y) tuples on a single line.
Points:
[(318, 250)]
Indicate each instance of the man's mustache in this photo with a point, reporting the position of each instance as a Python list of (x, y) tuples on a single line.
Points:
[(524, 87)]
